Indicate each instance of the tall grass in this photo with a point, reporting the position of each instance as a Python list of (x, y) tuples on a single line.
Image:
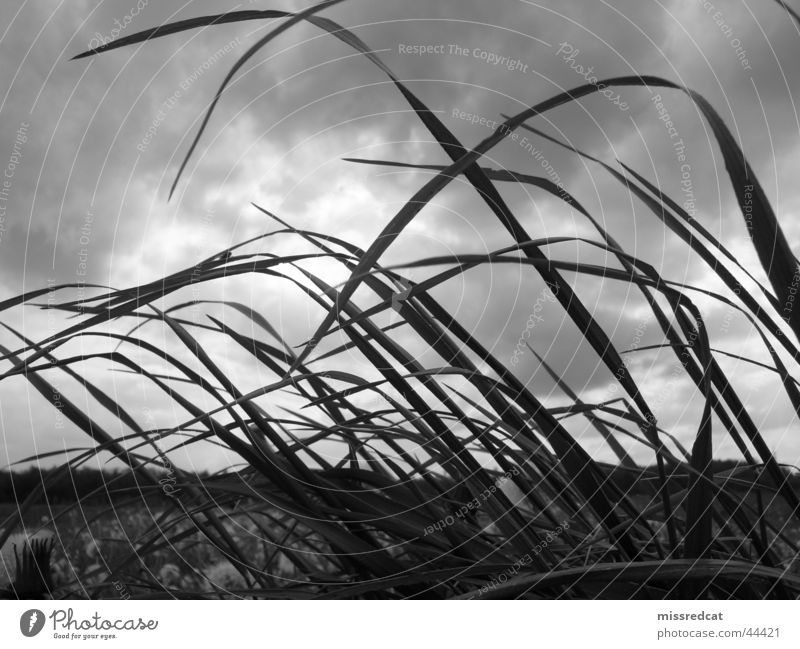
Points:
[(383, 521)]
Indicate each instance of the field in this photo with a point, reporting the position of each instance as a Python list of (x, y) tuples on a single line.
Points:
[(92, 540)]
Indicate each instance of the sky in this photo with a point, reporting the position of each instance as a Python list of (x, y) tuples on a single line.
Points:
[(91, 147)]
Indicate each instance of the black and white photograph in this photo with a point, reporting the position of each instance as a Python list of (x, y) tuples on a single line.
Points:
[(415, 300)]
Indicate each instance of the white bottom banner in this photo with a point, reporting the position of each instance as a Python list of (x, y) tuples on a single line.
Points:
[(353, 624)]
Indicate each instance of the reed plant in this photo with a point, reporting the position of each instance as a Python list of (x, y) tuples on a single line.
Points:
[(438, 492)]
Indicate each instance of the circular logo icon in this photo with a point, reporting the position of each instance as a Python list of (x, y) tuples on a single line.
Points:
[(31, 622)]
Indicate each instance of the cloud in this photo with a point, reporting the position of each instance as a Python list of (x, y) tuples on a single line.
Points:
[(106, 137)]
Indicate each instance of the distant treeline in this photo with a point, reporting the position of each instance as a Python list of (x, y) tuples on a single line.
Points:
[(100, 487), (92, 485), (645, 479)]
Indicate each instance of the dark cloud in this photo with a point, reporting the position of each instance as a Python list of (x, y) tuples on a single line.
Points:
[(106, 137)]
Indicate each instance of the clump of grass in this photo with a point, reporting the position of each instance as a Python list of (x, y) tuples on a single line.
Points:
[(383, 522)]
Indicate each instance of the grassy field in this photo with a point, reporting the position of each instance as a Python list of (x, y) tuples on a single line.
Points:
[(93, 546), (439, 492)]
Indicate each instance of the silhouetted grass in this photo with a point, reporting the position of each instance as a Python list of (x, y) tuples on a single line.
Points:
[(505, 502)]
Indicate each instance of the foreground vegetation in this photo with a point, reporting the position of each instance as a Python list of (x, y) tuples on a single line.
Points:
[(438, 493)]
